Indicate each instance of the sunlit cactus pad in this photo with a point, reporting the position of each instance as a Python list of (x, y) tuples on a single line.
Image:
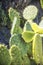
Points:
[(37, 48), (30, 12)]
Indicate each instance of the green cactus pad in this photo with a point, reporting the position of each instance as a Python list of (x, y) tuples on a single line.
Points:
[(15, 28), (26, 60), (4, 55), (27, 27), (30, 12), (13, 13), (17, 40), (37, 48), (28, 36), (15, 55)]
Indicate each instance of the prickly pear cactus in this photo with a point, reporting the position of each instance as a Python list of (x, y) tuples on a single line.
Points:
[(30, 12), (17, 40), (15, 28), (4, 55), (37, 48), (13, 13), (26, 60), (15, 55)]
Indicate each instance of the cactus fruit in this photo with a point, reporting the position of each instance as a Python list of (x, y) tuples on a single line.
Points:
[(4, 55), (15, 28), (15, 53), (37, 48), (30, 12), (26, 60), (17, 40), (13, 13)]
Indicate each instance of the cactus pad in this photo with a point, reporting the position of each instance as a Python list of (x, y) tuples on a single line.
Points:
[(4, 55), (30, 12), (15, 28), (17, 40), (15, 55), (13, 13), (37, 48), (28, 36)]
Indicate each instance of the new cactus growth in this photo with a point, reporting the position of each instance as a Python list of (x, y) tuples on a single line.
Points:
[(4, 55), (17, 40), (15, 55), (37, 48)]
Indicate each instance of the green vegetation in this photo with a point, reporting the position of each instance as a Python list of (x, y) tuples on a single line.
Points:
[(25, 43)]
